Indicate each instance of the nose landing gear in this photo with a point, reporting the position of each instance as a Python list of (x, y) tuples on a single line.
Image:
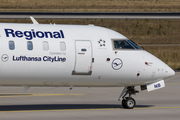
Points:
[(128, 102)]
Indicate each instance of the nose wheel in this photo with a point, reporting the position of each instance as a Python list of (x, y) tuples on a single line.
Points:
[(128, 102)]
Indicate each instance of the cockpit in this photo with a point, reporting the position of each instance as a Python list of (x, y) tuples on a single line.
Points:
[(124, 44)]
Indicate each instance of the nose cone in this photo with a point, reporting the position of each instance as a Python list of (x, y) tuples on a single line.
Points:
[(169, 72)]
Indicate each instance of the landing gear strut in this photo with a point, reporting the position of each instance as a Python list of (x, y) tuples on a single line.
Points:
[(128, 102)]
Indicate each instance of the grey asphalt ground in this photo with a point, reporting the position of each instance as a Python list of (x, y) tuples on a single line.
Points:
[(48, 103)]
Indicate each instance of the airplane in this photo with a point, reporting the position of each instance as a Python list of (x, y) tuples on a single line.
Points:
[(77, 55)]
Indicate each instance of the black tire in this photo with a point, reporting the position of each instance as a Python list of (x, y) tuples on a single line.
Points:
[(123, 103), (130, 103)]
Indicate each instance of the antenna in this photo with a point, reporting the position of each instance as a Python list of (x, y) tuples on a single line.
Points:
[(33, 20)]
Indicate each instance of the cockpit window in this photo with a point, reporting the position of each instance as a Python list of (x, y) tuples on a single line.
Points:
[(134, 44), (125, 44), (122, 44)]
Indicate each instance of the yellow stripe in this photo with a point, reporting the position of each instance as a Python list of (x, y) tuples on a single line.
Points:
[(25, 95), (60, 110), (87, 109), (157, 108), (55, 94), (172, 83)]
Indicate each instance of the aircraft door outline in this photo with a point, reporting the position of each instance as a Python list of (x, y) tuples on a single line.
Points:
[(83, 57)]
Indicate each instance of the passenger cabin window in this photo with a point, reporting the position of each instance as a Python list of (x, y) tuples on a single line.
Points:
[(62, 46), (125, 44), (29, 45), (11, 45), (45, 46)]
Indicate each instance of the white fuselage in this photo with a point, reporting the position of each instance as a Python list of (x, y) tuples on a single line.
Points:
[(73, 55)]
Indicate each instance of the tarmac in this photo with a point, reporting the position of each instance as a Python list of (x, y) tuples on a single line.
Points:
[(61, 103), (90, 15)]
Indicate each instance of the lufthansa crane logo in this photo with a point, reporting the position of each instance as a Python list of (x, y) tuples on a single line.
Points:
[(4, 57), (117, 64)]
